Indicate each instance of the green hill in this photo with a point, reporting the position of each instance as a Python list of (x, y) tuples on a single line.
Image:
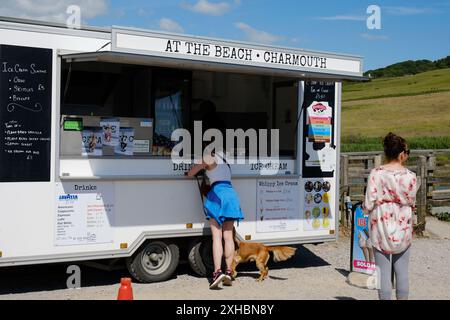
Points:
[(409, 67), (416, 107)]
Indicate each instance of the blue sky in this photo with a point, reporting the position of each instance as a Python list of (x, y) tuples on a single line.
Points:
[(409, 29)]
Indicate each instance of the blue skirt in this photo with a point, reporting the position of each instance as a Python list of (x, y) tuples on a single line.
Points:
[(222, 203)]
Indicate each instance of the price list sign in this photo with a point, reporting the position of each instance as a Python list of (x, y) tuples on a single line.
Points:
[(25, 113)]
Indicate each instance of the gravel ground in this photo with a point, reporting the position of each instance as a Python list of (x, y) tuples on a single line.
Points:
[(315, 272)]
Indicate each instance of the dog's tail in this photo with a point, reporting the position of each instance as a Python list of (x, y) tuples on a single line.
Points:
[(282, 253)]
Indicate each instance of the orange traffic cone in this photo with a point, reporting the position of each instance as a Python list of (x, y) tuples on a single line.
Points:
[(125, 290)]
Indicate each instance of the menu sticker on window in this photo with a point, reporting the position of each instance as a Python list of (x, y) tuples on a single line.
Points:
[(111, 131), (73, 124), (92, 142), (126, 142), (141, 146), (146, 123)]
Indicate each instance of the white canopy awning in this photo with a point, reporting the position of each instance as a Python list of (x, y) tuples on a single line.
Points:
[(142, 47), (149, 60)]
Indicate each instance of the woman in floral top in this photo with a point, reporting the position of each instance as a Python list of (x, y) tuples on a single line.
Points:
[(390, 199)]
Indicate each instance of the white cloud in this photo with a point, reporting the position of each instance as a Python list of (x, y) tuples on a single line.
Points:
[(169, 25), (258, 36), (209, 8), (51, 10), (374, 37), (343, 18), (406, 11)]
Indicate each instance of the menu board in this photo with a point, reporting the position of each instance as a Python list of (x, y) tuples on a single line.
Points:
[(25, 113), (277, 205), (84, 213), (319, 147)]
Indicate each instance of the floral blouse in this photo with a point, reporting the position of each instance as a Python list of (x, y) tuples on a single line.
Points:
[(390, 197)]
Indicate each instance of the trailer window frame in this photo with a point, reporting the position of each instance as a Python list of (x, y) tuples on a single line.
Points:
[(187, 105)]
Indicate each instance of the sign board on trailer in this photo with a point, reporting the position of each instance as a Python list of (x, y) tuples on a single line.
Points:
[(228, 52), (25, 113)]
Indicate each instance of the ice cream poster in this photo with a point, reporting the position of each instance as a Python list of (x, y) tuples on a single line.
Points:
[(317, 206), (319, 122), (126, 142), (91, 142), (363, 259), (318, 145), (111, 131), (319, 138)]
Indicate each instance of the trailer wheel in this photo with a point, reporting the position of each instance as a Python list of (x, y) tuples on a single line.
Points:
[(155, 261), (200, 257)]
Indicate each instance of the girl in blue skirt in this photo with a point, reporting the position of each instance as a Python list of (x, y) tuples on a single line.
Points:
[(222, 208)]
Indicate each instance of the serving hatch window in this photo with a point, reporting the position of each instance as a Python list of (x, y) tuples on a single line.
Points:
[(122, 110), (238, 101)]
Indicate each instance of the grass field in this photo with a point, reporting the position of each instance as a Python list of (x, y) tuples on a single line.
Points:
[(427, 82), (415, 107)]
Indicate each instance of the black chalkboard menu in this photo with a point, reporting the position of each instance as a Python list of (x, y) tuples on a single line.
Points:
[(319, 145), (25, 113)]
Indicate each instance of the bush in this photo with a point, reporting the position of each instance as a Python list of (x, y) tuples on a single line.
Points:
[(444, 216)]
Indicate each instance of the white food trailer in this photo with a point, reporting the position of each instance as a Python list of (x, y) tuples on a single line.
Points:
[(87, 115)]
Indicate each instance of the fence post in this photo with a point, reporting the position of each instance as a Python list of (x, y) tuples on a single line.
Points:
[(431, 162), (431, 166), (344, 172), (377, 161), (421, 194)]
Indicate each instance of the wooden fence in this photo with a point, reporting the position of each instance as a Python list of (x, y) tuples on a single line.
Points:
[(432, 168)]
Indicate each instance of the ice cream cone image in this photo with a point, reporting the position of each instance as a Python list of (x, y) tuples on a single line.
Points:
[(316, 212), (308, 214), (316, 224)]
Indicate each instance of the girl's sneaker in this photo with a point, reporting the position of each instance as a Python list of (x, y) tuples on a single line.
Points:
[(217, 278), (228, 278)]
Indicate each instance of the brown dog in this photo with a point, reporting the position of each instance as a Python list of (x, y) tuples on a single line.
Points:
[(260, 254)]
